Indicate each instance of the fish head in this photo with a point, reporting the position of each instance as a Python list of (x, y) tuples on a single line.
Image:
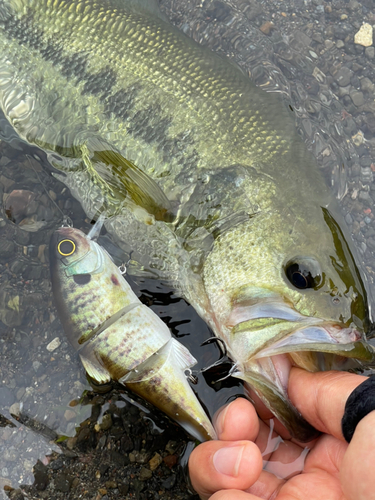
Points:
[(88, 287), (285, 291)]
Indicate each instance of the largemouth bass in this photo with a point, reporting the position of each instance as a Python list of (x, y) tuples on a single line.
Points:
[(117, 337), (205, 175)]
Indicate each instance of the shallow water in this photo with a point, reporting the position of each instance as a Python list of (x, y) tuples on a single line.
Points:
[(41, 383)]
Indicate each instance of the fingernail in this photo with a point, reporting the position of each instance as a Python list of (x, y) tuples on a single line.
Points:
[(220, 419), (227, 460)]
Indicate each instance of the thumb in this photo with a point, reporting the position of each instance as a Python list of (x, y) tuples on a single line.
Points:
[(219, 465)]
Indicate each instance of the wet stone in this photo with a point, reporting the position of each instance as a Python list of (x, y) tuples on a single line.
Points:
[(14, 409), (7, 249), (370, 52), (343, 76), (111, 485), (41, 476), (170, 460), (302, 38), (171, 447), (119, 459), (106, 422), (126, 443), (367, 85), (123, 488), (371, 243), (37, 365), (365, 196), (103, 469), (364, 36), (62, 483), (83, 434), (169, 482), (6, 397), (145, 474), (155, 461), (4, 161), (357, 98)]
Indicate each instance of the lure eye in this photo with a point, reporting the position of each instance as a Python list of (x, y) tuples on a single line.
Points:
[(303, 273), (66, 247)]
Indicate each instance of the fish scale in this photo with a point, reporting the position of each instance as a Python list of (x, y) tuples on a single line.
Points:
[(204, 179)]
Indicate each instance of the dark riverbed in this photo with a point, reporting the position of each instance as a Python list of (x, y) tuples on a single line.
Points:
[(111, 446)]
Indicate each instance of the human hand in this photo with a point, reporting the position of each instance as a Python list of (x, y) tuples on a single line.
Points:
[(231, 468)]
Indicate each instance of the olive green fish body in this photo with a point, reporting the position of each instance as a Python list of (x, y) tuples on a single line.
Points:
[(206, 176), (116, 336)]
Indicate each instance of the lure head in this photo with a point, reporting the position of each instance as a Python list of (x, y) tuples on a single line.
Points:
[(87, 286)]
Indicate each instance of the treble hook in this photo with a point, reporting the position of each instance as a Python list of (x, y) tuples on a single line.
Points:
[(189, 375), (67, 221), (229, 374), (219, 340), (223, 349), (124, 265)]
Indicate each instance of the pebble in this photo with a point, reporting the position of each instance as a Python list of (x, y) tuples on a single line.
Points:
[(106, 422), (155, 461), (62, 483), (343, 76), (69, 415), (366, 175), (4, 161), (36, 365), (367, 85), (15, 409), (349, 219), (54, 344), (370, 52), (7, 249), (170, 460), (41, 476), (357, 98), (169, 482), (364, 35), (111, 485), (145, 474), (267, 27), (138, 457), (171, 447), (371, 243), (365, 196), (6, 397), (358, 138)]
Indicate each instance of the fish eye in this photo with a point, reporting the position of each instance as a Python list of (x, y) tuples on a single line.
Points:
[(303, 273), (66, 247)]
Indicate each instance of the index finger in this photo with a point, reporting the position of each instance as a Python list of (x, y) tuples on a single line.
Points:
[(321, 397)]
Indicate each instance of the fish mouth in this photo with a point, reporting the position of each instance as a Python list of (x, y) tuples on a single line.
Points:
[(273, 337)]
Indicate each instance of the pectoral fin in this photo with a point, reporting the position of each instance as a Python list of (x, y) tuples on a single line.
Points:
[(126, 179)]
